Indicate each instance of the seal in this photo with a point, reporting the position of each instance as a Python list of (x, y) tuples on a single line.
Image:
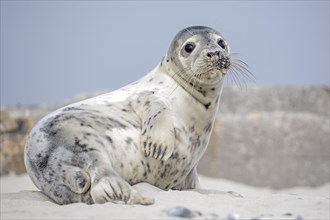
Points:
[(154, 130)]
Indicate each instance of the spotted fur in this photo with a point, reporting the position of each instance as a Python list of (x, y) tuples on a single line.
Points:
[(154, 130)]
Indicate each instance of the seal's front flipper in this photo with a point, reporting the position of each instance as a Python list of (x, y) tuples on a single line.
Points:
[(158, 135), (116, 190)]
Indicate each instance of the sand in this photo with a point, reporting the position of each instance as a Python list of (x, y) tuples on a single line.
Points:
[(21, 200)]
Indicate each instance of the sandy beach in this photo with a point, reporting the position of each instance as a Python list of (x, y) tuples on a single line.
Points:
[(219, 199)]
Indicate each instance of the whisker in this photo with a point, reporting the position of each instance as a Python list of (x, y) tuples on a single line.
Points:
[(239, 80), (245, 68), (177, 73), (234, 54), (227, 80), (240, 73), (236, 79), (243, 72)]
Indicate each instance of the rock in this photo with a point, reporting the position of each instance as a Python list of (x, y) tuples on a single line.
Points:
[(14, 131), (7, 123), (12, 153), (180, 212), (312, 99), (233, 216), (274, 137), (12, 139)]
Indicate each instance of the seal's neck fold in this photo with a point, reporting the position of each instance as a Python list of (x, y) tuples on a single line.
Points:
[(203, 93)]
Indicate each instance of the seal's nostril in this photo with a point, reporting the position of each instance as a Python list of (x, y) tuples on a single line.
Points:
[(209, 54)]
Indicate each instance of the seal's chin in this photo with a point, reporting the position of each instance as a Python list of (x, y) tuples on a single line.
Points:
[(212, 75)]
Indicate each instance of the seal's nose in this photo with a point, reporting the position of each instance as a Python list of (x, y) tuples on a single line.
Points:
[(211, 54)]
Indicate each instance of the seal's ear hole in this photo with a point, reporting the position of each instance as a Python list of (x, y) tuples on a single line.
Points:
[(189, 47), (222, 44)]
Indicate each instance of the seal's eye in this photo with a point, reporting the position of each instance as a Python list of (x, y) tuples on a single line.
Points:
[(222, 43), (189, 47)]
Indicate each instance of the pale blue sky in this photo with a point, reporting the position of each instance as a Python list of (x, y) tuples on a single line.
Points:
[(54, 50)]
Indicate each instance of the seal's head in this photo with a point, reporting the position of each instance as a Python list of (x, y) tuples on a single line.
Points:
[(200, 55)]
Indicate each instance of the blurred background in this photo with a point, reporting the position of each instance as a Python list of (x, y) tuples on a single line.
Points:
[(53, 50), (272, 133)]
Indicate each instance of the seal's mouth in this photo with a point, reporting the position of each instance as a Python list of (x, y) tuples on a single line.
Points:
[(214, 69), (209, 78)]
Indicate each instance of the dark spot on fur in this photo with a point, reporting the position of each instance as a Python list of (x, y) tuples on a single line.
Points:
[(203, 92), (192, 128), (100, 142), (90, 126), (78, 143), (89, 150), (208, 128), (159, 151), (81, 181), (157, 114), (148, 168), (53, 133), (42, 161), (108, 138), (165, 171), (175, 155), (207, 105), (174, 172), (72, 109), (128, 140), (114, 122), (154, 150), (194, 142)]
